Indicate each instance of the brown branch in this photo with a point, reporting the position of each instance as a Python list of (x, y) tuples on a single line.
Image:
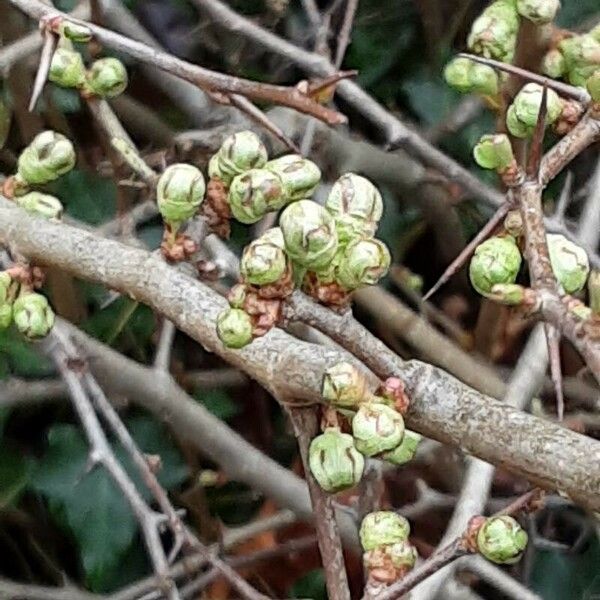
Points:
[(345, 31), (306, 427), (442, 408), (210, 81)]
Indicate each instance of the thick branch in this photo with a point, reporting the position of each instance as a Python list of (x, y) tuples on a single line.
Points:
[(442, 408)]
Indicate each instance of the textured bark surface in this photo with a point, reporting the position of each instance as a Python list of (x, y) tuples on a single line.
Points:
[(442, 407)]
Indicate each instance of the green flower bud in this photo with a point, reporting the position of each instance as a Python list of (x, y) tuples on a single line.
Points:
[(6, 316), (179, 193), (516, 127), (344, 385), (497, 260), (299, 176), (334, 461), (593, 86), (522, 115), (377, 428), (403, 555), (107, 77), (539, 12), (581, 311), (494, 152), (554, 64), (595, 33), (67, 68), (364, 262), (41, 205), (238, 153), (529, 101), (309, 234), (466, 76), (75, 32), (263, 263), (569, 262), (255, 193), (32, 315), (494, 32), (356, 205), (234, 328), (501, 540), (582, 58), (382, 528), (406, 450), (49, 156)]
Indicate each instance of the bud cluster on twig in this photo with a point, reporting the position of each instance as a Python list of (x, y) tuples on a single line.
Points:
[(105, 78), (336, 459), (328, 251), (19, 304)]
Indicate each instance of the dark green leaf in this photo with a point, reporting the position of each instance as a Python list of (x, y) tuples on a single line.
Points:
[(219, 403), (15, 474)]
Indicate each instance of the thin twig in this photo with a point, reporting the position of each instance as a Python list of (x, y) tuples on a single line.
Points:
[(305, 423), (345, 31), (101, 453), (50, 43), (210, 81)]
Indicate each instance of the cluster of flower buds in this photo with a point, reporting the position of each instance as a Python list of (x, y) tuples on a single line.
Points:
[(106, 77), (522, 114), (49, 156), (467, 76), (377, 428), (494, 32), (496, 263), (30, 311), (387, 554), (499, 539), (328, 250), (256, 302)]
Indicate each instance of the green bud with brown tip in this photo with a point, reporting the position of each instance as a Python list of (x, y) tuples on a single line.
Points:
[(494, 33), (382, 528), (298, 175), (569, 261), (309, 233), (377, 428), (334, 461), (234, 328), (356, 205), (263, 263), (107, 78), (179, 193), (255, 193), (494, 152), (67, 68), (47, 157), (405, 451), (497, 260), (344, 385), (32, 315), (501, 540), (364, 262), (238, 153)]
